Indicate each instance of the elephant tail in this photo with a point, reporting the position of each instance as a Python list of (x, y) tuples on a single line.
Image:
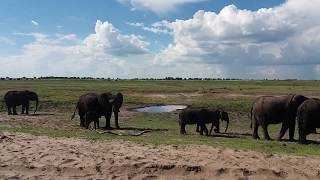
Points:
[(251, 117), (74, 112)]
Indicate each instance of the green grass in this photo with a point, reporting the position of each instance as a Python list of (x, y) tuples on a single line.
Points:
[(170, 135), (62, 94)]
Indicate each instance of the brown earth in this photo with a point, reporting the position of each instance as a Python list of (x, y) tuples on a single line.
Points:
[(53, 120), (24, 156)]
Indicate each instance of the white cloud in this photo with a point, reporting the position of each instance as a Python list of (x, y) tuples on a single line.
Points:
[(109, 40), (35, 23), (163, 27), (105, 53), (287, 35), (157, 6), (135, 24)]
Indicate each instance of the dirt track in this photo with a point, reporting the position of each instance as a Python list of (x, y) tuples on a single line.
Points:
[(24, 156)]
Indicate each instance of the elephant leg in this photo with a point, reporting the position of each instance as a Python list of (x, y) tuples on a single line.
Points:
[(283, 130), (88, 120), (116, 119), (211, 128), (27, 108), (302, 136), (198, 127), (255, 130), (82, 121), (217, 129), (87, 124), (82, 114), (9, 110), (108, 117), (292, 128), (22, 109), (98, 124), (183, 128), (203, 128), (95, 124), (14, 110), (265, 132)]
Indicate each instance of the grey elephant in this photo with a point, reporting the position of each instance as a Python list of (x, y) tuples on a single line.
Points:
[(214, 116), (274, 110), (308, 116), (202, 116), (17, 98), (92, 106), (91, 116)]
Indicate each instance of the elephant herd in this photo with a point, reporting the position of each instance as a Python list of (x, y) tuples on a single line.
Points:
[(90, 106), (265, 110)]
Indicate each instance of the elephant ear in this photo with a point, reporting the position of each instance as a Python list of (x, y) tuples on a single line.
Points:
[(105, 98), (219, 111), (111, 101)]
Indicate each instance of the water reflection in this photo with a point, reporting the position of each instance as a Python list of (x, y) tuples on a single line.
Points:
[(160, 109)]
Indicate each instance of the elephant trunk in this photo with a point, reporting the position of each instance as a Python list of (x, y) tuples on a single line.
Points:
[(37, 104), (227, 125)]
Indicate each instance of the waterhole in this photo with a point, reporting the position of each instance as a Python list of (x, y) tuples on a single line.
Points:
[(160, 109)]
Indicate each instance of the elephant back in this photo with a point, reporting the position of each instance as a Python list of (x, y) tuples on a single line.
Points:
[(13, 97), (297, 100)]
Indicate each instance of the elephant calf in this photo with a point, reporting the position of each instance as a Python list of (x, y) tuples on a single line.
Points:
[(92, 116), (202, 116), (214, 119), (308, 116)]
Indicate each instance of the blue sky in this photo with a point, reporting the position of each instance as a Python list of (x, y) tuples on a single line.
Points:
[(144, 38)]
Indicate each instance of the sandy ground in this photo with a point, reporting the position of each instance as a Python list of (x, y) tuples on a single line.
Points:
[(54, 120), (24, 156)]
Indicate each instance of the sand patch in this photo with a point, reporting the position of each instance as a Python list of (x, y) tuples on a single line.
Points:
[(38, 157)]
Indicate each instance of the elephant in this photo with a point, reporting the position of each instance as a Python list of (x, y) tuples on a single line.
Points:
[(92, 116), (274, 110), (215, 116), (17, 98), (308, 116), (101, 104), (202, 116)]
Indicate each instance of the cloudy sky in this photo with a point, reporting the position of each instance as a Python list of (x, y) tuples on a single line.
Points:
[(252, 39)]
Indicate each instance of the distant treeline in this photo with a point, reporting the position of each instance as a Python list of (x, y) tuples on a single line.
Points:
[(51, 78), (116, 79)]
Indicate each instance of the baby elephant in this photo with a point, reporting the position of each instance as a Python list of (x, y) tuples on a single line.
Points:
[(202, 116), (92, 116), (215, 117)]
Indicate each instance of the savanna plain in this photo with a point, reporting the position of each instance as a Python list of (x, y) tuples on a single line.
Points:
[(48, 145)]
